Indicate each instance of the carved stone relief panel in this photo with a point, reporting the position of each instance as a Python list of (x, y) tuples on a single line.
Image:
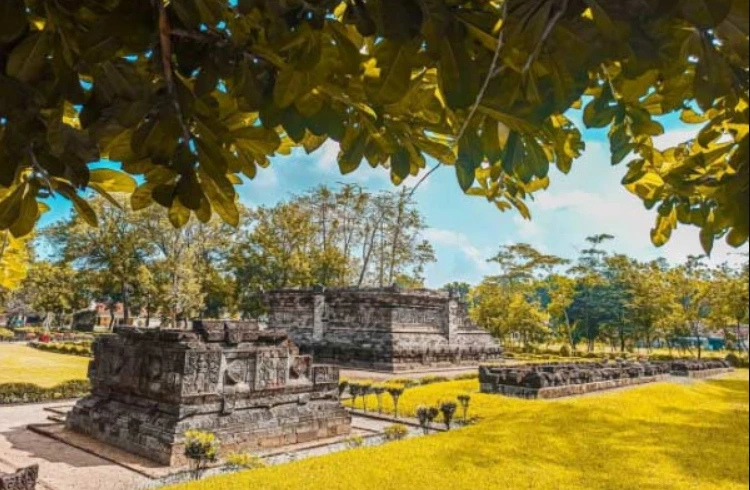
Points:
[(272, 370)]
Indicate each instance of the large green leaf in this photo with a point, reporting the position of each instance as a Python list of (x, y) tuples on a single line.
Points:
[(291, 84), (10, 207), (706, 14), (112, 181), (401, 164), (395, 72), (29, 58), (12, 20), (469, 159), (27, 218), (351, 158), (456, 73)]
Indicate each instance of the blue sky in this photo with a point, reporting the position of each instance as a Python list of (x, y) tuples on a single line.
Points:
[(468, 230)]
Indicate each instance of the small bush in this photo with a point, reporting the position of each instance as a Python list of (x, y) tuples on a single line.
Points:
[(565, 351), (16, 393), (431, 380), (355, 442), (396, 432), (6, 334), (737, 361), (201, 449), (244, 461)]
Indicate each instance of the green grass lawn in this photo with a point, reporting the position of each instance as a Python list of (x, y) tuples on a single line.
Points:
[(661, 436), (23, 364)]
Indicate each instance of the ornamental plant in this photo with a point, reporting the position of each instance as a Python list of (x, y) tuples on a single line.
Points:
[(201, 449), (448, 409), (426, 416), (355, 442), (465, 401), (396, 392), (245, 461), (396, 432), (365, 389), (379, 391), (354, 391)]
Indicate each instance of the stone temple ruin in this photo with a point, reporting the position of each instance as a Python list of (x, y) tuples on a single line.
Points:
[(249, 387), (381, 329), (567, 379), (700, 369), (557, 380)]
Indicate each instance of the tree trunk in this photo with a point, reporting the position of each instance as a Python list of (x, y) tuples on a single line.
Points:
[(125, 303), (396, 238), (367, 257), (570, 330), (111, 316), (740, 342)]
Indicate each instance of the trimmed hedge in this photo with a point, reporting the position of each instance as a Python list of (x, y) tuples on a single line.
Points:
[(82, 349), (16, 393)]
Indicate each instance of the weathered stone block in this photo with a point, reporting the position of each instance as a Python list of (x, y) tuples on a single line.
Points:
[(24, 479), (249, 387), (381, 329)]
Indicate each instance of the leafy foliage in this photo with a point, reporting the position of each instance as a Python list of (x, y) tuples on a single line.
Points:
[(192, 96)]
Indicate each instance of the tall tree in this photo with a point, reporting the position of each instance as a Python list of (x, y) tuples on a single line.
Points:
[(116, 249), (729, 299), (56, 291), (590, 309), (690, 282)]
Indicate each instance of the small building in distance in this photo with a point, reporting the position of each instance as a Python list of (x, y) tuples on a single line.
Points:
[(385, 329)]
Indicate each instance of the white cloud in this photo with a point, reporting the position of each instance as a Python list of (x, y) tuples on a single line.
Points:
[(267, 178), (470, 263), (675, 137), (327, 157), (527, 230)]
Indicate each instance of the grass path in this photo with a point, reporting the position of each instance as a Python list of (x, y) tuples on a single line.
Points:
[(22, 364), (661, 436)]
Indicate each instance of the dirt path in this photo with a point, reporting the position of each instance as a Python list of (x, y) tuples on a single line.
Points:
[(62, 467)]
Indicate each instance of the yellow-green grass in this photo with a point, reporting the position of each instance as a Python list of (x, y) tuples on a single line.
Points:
[(23, 364), (661, 436)]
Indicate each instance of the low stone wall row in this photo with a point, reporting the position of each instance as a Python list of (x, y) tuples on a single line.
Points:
[(24, 479), (569, 390), (709, 373)]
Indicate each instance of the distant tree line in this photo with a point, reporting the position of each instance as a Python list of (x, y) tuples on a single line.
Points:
[(144, 261), (608, 298)]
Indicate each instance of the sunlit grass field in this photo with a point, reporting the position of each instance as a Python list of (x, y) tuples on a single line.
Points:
[(661, 436), (22, 364)]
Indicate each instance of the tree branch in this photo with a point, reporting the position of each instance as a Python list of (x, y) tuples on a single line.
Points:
[(480, 96), (165, 42)]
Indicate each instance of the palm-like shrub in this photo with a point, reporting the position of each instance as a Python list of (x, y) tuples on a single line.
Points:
[(465, 401), (448, 409), (396, 392)]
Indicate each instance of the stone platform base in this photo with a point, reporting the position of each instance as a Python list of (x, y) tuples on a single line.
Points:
[(710, 373), (155, 471), (570, 390), (159, 436), (407, 368)]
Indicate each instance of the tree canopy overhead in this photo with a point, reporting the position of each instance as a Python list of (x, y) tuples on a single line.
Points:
[(192, 96)]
